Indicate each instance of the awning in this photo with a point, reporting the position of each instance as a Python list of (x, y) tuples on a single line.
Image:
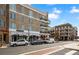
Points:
[(19, 33), (25, 33)]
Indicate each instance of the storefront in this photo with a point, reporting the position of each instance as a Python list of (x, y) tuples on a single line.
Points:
[(34, 35), (16, 35)]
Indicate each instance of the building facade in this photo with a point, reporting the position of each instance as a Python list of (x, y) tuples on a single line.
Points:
[(18, 21), (64, 32)]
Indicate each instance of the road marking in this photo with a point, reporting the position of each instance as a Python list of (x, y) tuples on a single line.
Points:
[(38, 50), (54, 51), (61, 47), (71, 52)]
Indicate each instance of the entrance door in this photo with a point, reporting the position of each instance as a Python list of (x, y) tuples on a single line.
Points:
[(1, 38)]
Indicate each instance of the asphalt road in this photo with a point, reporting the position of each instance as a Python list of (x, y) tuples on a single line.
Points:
[(22, 49)]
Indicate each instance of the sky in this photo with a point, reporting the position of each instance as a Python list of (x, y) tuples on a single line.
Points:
[(60, 13)]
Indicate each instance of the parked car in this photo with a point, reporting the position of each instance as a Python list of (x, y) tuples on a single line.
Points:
[(36, 42), (76, 39), (51, 40), (19, 42)]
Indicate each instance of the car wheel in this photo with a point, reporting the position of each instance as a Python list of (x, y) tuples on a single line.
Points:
[(14, 45)]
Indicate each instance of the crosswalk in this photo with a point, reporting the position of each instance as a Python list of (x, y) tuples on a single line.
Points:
[(71, 52), (66, 51), (53, 51)]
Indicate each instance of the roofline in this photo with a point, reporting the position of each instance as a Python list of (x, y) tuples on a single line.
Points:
[(34, 9)]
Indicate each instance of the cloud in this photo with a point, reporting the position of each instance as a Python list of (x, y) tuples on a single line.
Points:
[(54, 14), (57, 11), (74, 10)]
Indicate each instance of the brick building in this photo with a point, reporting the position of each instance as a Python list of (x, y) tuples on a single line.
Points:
[(64, 32), (20, 21)]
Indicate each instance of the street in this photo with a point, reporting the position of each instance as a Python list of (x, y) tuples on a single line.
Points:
[(66, 52), (34, 48)]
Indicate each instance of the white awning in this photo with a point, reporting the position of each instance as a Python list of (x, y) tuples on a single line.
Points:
[(19, 33), (25, 33)]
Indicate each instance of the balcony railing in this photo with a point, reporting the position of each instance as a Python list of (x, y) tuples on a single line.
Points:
[(44, 25)]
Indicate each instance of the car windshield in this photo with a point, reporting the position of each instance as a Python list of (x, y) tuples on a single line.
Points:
[(20, 41)]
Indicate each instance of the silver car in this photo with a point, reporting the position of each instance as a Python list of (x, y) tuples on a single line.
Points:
[(51, 40), (19, 42)]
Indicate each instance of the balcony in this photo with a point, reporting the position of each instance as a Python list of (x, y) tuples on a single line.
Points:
[(43, 31), (44, 20), (44, 25)]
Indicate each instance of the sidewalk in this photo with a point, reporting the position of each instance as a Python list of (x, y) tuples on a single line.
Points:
[(4, 46), (74, 46)]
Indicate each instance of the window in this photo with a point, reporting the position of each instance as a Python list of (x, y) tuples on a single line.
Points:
[(20, 41), (12, 15), (13, 6), (20, 9), (12, 25), (1, 11), (1, 23), (30, 13)]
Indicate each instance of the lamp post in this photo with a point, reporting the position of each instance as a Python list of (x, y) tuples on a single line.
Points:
[(28, 30), (29, 27)]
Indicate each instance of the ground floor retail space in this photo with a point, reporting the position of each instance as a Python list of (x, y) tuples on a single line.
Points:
[(6, 37), (14, 36)]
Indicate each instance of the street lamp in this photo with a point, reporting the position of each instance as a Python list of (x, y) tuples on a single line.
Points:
[(29, 27)]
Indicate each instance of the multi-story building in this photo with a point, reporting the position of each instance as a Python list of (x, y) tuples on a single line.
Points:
[(20, 21), (64, 32)]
